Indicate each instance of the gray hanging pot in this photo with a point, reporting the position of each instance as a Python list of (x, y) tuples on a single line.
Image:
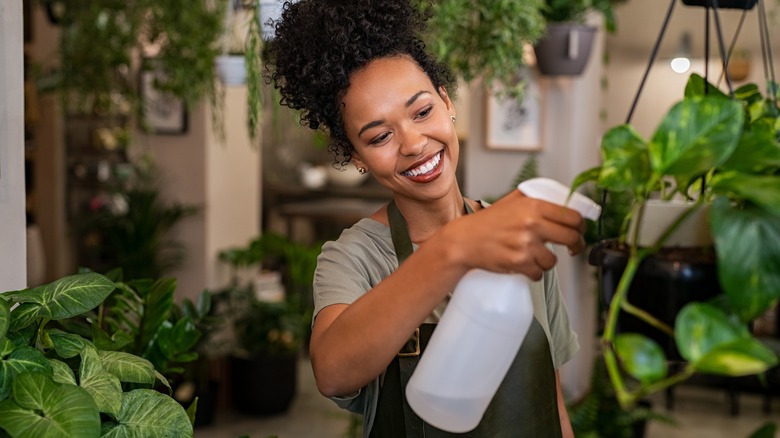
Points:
[(726, 4), (565, 49)]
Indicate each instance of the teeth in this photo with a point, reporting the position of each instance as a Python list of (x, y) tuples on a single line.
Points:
[(425, 167)]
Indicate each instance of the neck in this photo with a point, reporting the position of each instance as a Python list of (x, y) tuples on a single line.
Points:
[(425, 218)]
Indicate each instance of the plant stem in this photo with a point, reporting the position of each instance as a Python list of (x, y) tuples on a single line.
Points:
[(647, 317)]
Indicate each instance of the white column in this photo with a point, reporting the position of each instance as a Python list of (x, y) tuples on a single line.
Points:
[(13, 265)]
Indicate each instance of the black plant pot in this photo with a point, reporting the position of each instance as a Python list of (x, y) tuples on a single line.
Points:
[(565, 48), (724, 4), (263, 385), (663, 285)]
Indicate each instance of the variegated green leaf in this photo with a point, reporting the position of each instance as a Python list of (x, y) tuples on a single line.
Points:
[(625, 160), (67, 345), (748, 257), (62, 372), (41, 407), (23, 315), (697, 86), (103, 386), (696, 135), (737, 358), (68, 296), (147, 413), (700, 328), (128, 367), (22, 359), (762, 190), (757, 149), (642, 357), (6, 347)]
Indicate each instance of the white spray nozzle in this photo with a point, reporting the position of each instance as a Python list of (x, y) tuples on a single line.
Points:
[(551, 190)]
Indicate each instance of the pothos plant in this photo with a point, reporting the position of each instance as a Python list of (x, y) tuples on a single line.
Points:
[(718, 151), (55, 383)]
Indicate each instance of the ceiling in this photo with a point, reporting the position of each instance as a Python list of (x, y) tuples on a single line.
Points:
[(639, 23)]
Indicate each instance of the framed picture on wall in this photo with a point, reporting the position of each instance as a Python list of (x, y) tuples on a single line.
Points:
[(162, 112), (514, 125)]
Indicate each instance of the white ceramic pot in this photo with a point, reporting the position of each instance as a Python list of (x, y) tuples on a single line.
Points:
[(659, 215)]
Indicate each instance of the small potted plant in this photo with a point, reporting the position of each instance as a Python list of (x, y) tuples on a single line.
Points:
[(270, 316), (714, 152), (565, 47)]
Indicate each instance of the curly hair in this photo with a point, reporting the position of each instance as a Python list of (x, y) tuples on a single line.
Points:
[(319, 44)]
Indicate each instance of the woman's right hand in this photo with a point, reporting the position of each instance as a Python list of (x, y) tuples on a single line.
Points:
[(511, 235)]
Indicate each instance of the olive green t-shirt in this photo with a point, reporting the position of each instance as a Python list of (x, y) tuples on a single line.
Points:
[(364, 255)]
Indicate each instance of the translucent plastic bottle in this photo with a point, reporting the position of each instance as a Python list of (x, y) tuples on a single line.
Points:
[(480, 334)]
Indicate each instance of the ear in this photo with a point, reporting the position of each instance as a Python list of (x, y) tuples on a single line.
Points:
[(356, 161), (446, 98)]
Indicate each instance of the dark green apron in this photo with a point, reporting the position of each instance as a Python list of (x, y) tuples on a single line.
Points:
[(524, 406)]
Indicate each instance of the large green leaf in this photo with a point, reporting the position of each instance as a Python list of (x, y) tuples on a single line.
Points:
[(147, 413), (128, 367), (741, 357), (748, 257), (696, 87), (103, 341), (700, 328), (757, 149), (103, 386), (40, 407), (23, 315), (22, 359), (67, 345), (762, 190), (6, 347), (68, 296), (696, 135), (642, 357), (625, 160), (5, 317)]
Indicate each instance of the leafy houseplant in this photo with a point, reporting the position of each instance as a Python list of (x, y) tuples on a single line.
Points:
[(716, 152), (131, 228), (56, 383), (565, 47), (270, 324), (96, 77), (484, 39)]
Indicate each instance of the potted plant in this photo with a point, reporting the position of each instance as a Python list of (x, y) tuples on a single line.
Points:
[(59, 383), (565, 47), (270, 315), (711, 151), (487, 41)]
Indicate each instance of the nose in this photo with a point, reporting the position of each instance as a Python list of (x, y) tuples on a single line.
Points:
[(413, 141)]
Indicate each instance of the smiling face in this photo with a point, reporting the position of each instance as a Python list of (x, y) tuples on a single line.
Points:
[(401, 128)]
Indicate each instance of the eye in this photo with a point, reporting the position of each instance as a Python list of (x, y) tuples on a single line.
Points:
[(381, 138), (425, 112)]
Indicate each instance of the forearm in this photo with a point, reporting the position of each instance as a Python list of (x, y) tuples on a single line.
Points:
[(365, 336)]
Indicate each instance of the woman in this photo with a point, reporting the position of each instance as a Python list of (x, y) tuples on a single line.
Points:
[(358, 69)]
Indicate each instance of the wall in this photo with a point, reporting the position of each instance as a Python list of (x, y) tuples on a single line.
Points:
[(13, 266), (222, 179)]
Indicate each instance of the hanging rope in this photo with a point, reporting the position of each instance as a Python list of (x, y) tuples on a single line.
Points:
[(737, 33)]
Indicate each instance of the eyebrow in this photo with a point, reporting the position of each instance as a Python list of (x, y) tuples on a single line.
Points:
[(376, 123)]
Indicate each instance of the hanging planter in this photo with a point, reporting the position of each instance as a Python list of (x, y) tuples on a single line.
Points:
[(565, 48), (724, 4)]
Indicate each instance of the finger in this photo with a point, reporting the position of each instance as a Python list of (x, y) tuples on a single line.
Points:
[(546, 259)]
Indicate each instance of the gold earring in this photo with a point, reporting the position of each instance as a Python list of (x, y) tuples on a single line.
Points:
[(362, 170), (453, 119)]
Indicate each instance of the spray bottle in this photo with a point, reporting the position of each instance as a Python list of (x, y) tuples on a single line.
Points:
[(480, 333)]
